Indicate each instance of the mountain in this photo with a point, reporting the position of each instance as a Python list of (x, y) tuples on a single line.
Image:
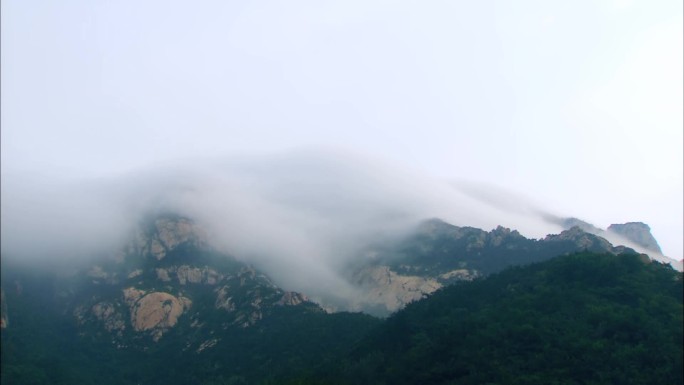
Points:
[(439, 254), (166, 309), (639, 233), (636, 235), (579, 319), (170, 308), (167, 274)]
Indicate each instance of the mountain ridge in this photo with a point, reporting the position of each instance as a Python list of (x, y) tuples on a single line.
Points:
[(439, 254), (168, 297)]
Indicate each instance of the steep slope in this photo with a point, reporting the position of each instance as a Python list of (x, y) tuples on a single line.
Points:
[(579, 319), (636, 235), (639, 233), (170, 309), (167, 309), (169, 275)]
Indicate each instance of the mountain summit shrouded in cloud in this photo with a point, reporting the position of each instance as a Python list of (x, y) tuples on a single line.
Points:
[(301, 216), (169, 165), (586, 121)]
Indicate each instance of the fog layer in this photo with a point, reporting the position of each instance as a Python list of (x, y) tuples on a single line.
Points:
[(302, 216)]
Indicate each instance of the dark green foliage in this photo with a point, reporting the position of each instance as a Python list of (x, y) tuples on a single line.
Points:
[(579, 319), (44, 344)]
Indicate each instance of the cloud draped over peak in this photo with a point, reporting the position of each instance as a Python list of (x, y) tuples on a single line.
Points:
[(302, 216)]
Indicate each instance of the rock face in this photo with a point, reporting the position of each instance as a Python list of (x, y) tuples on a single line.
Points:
[(155, 312), (165, 234), (582, 240), (383, 287), (392, 288), (637, 232), (168, 276)]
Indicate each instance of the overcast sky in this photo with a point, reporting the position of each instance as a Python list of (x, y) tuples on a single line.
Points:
[(575, 105)]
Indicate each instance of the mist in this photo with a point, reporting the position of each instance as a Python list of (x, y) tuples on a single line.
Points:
[(301, 216), (525, 100)]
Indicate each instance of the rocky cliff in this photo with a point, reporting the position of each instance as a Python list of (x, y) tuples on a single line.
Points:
[(635, 235), (169, 276), (637, 232)]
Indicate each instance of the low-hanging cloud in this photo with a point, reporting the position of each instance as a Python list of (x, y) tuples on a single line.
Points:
[(302, 216)]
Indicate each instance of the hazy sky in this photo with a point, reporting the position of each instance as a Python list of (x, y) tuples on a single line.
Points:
[(576, 105)]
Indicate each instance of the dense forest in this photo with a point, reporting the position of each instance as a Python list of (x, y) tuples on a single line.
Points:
[(578, 319)]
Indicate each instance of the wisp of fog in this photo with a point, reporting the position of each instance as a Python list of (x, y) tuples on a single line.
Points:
[(301, 216)]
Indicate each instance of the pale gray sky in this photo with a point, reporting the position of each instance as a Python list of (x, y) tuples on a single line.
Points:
[(576, 105)]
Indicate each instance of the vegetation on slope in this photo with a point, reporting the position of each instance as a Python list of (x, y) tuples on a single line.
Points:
[(579, 319)]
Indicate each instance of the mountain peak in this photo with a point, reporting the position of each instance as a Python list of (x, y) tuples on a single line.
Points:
[(582, 239), (637, 232)]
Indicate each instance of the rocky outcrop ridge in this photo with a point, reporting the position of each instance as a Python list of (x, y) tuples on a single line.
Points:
[(167, 276), (165, 234), (439, 254), (639, 233), (581, 240), (636, 235)]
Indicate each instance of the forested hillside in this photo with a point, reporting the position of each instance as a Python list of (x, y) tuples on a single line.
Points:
[(579, 319)]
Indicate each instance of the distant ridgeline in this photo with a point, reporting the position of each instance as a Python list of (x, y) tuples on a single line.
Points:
[(170, 309), (637, 234), (440, 254)]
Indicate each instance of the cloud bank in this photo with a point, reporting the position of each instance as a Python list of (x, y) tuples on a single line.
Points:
[(301, 216)]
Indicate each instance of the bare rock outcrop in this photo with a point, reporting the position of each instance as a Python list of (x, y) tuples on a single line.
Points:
[(581, 240), (384, 287), (166, 234), (637, 232), (155, 312)]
